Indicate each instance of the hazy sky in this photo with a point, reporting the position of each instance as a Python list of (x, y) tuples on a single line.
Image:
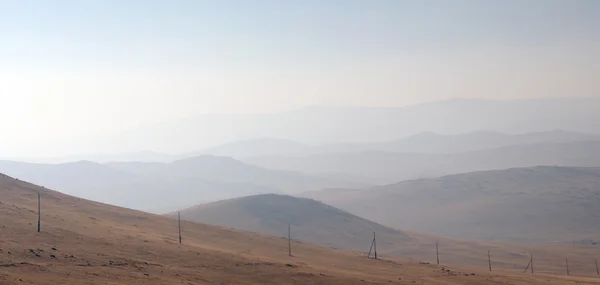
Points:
[(78, 68)]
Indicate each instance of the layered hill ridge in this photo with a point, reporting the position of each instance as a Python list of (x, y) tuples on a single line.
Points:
[(424, 142), (163, 187), (380, 167), (522, 204), (335, 124), (311, 221)]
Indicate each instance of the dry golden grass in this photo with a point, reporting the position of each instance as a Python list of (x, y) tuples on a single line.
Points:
[(84, 242)]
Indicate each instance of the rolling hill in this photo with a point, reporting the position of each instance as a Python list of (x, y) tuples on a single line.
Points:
[(549, 204), (378, 167), (311, 221), (317, 223)]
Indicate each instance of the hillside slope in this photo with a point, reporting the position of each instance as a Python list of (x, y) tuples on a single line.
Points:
[(311, 221), (522, 204), (84, 242), (92, 243)]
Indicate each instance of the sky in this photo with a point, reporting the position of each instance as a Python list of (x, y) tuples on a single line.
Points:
[(71, 68)]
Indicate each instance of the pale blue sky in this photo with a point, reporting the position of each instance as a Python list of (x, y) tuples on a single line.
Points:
[(79, 68)]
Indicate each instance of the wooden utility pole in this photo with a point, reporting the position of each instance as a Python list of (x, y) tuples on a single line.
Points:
[(370, 248), (567, 262), (437, 253), (375, 244), (179, 222), (532, 264), (39, 213), (289, 239), (490, 260)]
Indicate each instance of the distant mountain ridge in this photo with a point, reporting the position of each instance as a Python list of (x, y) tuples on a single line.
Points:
[(427, 142), (228, 170), (253, 147), (332, 125), (381, 167)]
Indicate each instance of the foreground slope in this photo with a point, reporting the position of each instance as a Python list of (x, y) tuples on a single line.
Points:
[(521, 204), (84, 242), (311, 221)]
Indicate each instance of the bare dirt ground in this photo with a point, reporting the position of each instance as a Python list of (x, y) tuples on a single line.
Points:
[(84, 242)]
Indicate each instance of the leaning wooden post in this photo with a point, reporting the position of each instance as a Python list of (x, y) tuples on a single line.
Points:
[(289, 239), (179, 222), (597, 271), (39, 213), (375, 244), (437, 253), (490, 260), (527, 268), (532, 264), (567, 262), (371, 248)]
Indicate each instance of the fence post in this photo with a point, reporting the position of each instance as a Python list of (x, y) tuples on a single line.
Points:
[(531, 263), (289, 239), (179, 223), (526, 268), (437, 253), (490, 260), (375, 244), (371, 248), (39, 212), (597, 271)]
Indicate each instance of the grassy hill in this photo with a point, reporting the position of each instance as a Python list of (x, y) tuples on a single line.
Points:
[(311, 221), (521, 204), (85, 242)]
